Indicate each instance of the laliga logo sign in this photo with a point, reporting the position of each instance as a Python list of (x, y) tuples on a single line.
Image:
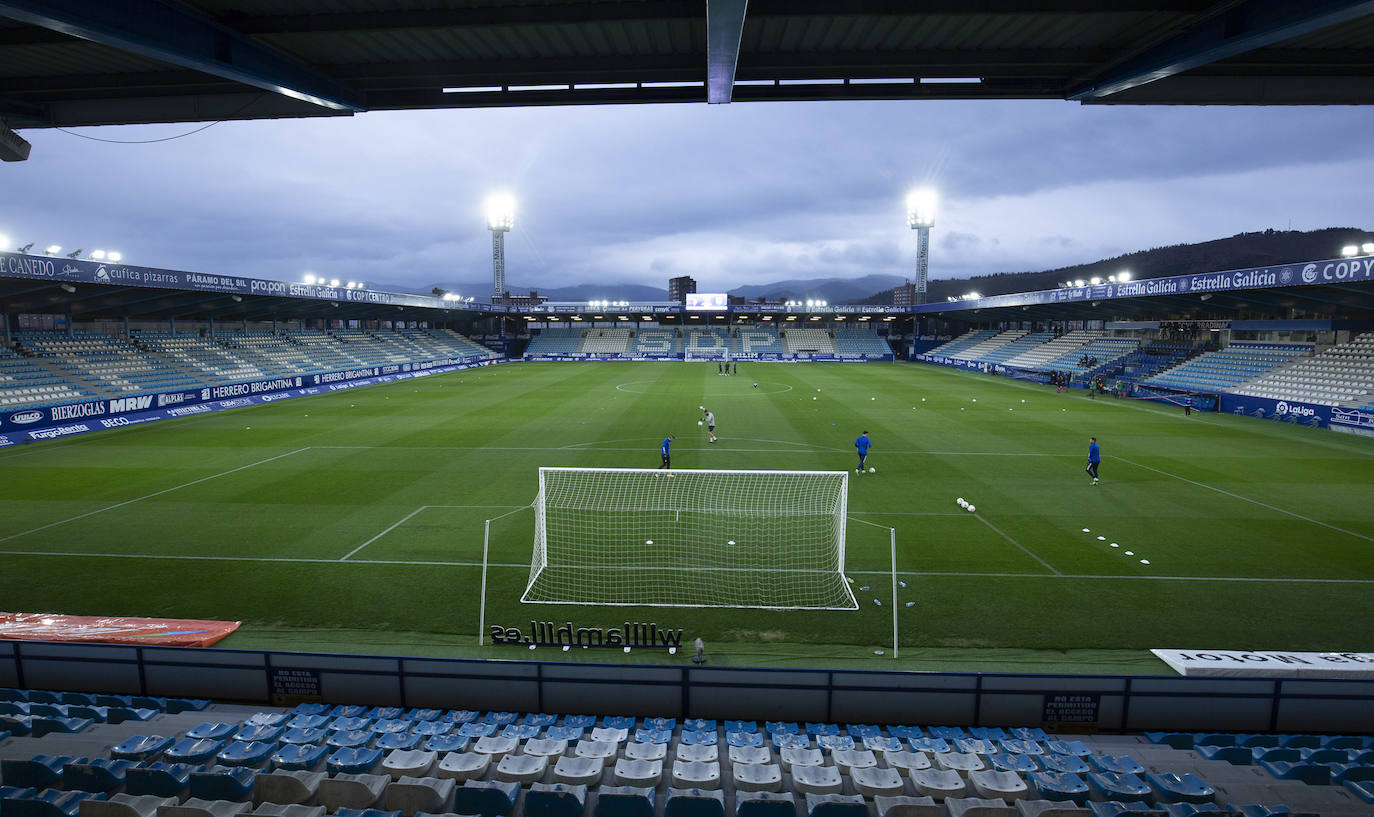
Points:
[(1309, 273), (1297, 411)]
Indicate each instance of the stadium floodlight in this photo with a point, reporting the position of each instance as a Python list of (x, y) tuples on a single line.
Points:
[(1367, 248), (500, 208), (1349, 251), (308, 278), (1124, 275), (53, 249), (920, 216), (25, 249), (1078, 283), (690, 538), (4, 241), (115, 256), (97, 255), (1096, 279), (334, 282), (349, 285)]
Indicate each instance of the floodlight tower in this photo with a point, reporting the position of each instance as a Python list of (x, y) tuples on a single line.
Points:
[(920, 216), (500, 217)]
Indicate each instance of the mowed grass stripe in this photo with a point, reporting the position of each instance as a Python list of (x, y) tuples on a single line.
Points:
[(477, 438)]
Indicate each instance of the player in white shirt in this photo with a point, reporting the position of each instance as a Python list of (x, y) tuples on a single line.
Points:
[(710, 421)]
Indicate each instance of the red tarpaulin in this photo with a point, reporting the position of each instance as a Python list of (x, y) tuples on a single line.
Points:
[(173, 632)]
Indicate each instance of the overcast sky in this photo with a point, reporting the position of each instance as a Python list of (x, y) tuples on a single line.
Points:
[(735, 194)]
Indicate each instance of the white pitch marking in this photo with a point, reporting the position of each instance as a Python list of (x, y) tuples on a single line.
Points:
[(1023, 548), (404, 519), (1245, 499), (149, 496)]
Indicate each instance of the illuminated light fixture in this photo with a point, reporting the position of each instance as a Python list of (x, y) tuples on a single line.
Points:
[(474, 89), (1111, 279), (972, 296), (4, 241), (96, 255), (68, 288), (334, 282), (309, 278), (1096, 280), (238, 299), (810, 303), (889, 318), (1124, 275), (951, 80), (53, 249), (920, 207), (1079, 282), (350, 284), (1367, 248), (646, 317), (1348, 251), (74, 254)]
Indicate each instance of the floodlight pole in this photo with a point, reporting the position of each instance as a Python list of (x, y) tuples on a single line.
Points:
[(498, 260), (920, 216), (922, 261)]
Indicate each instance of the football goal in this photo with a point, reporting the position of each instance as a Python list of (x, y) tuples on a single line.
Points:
[(690, 538)]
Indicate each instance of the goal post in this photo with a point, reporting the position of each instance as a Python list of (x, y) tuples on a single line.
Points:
[(690, 538)]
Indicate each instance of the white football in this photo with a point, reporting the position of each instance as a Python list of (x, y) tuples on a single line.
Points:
[(698, 422), (971, 509), (872, 470)]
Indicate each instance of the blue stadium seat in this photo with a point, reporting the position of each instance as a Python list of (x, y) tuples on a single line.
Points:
[(43, 696), (1345, 742), (18, 725), (159, 778), (430, 729), (353, 761), (694, 803), (14, 708), (140, 747), (1235, 755), (350, 711), (246, 753), (1345, 772), (880, 743), (991, 733), (1257, 741), (488, 798), (212, 731), (1313, 774), (15, 793), (1194, 809), (303, 735), (1361, 789), (12, 694), (829, 743), (743, 739), (1068, 747), (175, 706), (1178, 740), (928, 745), (350, 723), (555, 800), (818, 729), (193, 751), (1261, 810), (120, 714), (835, 805), (618, 722), (704, 738), (624, 801), (568, 733), (1034, 733), (477, 729), (1021, 764), (39, 772), (520, 731), (316, 721), (1064, 763), (365, 812), (232, 783), (541, 719), (906, 733), (1124, 788), (404, 741), (424, 715), (947, 732), (1022, 747), (765, 804), (446, 743), (695, 724), (1113, 808), (41, 726), (1059, 786), (49, 803), (1302, 741), (1259, 755), (741, 726), (649, 735), (1184, 788), (1118, 764), (1325, 755), (352, 739), (98, 774), (386, 726), (298, 757), (95, 714)]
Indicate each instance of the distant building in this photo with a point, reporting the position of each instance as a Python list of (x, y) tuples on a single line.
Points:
[(680, 288), (904, 295), (522, 301)]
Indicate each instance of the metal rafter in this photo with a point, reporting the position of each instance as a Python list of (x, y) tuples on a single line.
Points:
[(176, 34), (724, 29)]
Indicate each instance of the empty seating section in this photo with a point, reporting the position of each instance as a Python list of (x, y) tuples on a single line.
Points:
[(606, 341), (1226, 368), (860, 342), (759, 339), (555, 341), (1341, 375), (1019, 346), (656, 342), (803, 341), (997, 341), (1152, 358), (1037, 357), (51, 368), (963, 342), (1099, 352), (221, 761), (707, 343)]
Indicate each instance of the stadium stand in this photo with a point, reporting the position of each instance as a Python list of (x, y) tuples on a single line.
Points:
[(606, 341), (813, 341), (707, 343), (1100, 352), (102, 365), (997, 341), (1151, 358), (561, 341), (548, 765), (1226, 368), (760, 339), (1019, 346), (860, 342), (25, 383), (655, 342), (963, 342), (1067, 344), (1339, 376)]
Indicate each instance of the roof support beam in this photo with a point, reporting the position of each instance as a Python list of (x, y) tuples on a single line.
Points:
[(169, 32), (1249, 25), (724, 28)]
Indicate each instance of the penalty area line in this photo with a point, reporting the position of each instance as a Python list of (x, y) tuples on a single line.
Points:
[(1293, 514)]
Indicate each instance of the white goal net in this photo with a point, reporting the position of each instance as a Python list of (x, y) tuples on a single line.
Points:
[(690, 538)]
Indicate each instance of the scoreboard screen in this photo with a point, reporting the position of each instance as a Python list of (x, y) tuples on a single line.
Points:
[(707, 301)]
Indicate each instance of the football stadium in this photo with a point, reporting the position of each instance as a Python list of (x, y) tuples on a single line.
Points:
[(320, 546)]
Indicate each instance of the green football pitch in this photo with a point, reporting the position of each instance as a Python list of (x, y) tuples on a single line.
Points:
[(354, 521)]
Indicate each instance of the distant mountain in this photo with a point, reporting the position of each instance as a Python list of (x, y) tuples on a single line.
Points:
[(1261, 249), (834, 290), (573, 292)]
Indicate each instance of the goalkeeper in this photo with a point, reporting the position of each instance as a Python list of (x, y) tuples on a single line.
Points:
[(710, 422), (667, 445)]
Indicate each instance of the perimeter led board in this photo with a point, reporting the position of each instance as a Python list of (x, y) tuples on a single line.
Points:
[(708, 301)]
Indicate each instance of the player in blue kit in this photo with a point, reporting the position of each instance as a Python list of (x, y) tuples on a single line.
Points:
[(667, 444), (863, 444), (1094, 458)]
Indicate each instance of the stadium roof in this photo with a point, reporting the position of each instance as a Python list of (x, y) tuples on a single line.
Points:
[(75, 62)]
